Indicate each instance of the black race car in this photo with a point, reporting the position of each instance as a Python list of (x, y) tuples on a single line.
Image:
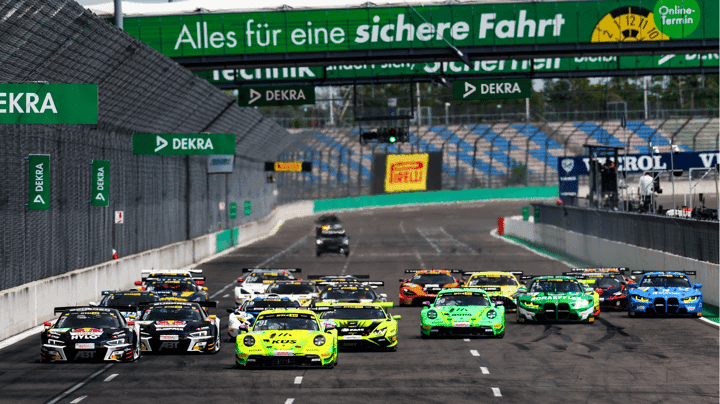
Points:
[(333, 243), (127, 302), (90, 334), (177, 290), (350, 292), (179, 327), (328, 224)]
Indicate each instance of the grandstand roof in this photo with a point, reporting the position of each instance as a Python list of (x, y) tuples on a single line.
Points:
[(106, 8)]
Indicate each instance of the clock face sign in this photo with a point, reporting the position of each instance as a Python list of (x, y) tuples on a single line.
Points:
[(628, 24)]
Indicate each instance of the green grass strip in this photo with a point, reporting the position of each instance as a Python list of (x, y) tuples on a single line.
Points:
[(709, 312)]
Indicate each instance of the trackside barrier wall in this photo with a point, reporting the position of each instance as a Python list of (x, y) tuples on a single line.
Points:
[(413, 198), (28, 305), (607, 253)]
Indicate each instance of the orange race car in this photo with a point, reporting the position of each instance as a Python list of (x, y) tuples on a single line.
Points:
[(425, 284)]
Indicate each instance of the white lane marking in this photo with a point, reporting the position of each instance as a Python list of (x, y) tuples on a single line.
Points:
[(422, 233), (226, 295), (493, 233), (289, 401), (23, 335), (77, 400), (496, 392), (484, 371), (298, 379), (415, 250), (112, 376), (467, 340), (77, 386), (262, 264), (474, 352), (709, 321), (472, 252)]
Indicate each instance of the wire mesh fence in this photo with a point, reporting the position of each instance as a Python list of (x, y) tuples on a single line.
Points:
[(165, 199)]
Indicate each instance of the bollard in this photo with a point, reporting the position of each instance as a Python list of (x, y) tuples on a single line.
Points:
[(526, 213), (501, 226)]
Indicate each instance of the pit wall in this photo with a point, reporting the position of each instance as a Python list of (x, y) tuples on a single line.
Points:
[(606, 253), (28, 305)]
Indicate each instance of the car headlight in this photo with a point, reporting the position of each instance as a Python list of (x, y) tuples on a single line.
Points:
[(115, 342), (318, 241), (408, 292), (432, 314), (618, 293), (249, 341), (491, 314), (579, 304), (346, 241), (199, 334), (641, 299), (529, 304), (690, 299), (319, 340), (380, 331)]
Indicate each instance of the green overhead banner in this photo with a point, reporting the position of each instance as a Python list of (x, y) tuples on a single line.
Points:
[(593, 63), (100, 188), (39, 186), (46, 104), (422, 27)]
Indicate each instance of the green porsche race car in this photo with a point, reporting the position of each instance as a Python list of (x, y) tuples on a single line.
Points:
[(556, 298), (362, 325), (462, 311), (287, 337)]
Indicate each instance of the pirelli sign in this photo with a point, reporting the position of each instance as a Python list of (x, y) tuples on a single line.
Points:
[(406, 172), (288, 166)]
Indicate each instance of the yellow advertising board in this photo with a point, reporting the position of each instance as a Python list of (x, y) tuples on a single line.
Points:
[(294, 166), (406, 172)]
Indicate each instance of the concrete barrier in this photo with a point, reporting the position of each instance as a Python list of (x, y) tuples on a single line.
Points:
[(26, 306), (607, 253)]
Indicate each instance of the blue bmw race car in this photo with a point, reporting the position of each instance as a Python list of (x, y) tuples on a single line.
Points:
[(664, 293)]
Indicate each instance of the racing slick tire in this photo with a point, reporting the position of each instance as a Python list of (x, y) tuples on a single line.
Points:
[(216, 349), (501, 335), (347, 252), (318, 253), (331, 364), (136, 354)]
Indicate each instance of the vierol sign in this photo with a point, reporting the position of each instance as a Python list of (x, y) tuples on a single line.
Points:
[(183, 143), (46, 104), (422, 27)]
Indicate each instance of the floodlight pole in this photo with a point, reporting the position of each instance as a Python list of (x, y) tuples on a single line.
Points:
[(118, 14)]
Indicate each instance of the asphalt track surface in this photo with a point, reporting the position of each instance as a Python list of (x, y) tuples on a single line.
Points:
[(616, 360)]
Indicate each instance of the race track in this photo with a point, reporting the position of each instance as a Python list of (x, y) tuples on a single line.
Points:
[(616, 360)]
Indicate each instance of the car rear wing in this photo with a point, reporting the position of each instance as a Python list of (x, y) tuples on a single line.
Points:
[(314, 277), (179, 271), (143, 306), (516, 273), (688, 273), (372, 284), (326, 305), (452, 271), (79, 308), (197, 279), (295, 270), (622, 270)]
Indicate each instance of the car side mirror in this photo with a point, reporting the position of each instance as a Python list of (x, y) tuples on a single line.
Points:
[(47, 324), (200, 282), (240, 280), (131, 322), (212, 317), (401, 280), (632, 286), (94, 304), (698, 285), (396, 317), (230, 311), (588, 290), (426, 304), (138, 283), (204, 288), (329, 326)]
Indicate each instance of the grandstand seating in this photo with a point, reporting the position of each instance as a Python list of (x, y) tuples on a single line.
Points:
[(486, 152)]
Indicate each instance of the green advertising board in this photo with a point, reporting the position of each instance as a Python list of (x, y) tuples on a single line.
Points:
[(423, 27), (39, 186), (491, 89), (48, 104), (276, 96), (449, 69), (100, 187), (233, 210), (183, 143)]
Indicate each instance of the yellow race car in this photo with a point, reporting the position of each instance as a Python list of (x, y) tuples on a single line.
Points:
[(500, 286)]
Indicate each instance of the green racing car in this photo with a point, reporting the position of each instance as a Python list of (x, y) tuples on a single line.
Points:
[(462, 311), (556, 298), (287, 337), (362, 325)]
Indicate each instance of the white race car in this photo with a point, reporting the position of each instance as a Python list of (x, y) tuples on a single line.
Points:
[(302, 291), (153, 274), (244, 316), (258, 280)]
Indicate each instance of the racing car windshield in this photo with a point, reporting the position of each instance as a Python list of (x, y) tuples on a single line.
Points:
[(328, 220), (129, 299), (462, 300), (175, 287), (492, 281), (300, 322), (606, 283), (560, 286), (665, 281), (88, 320), (424, 279), (340, 313), (347, 294), (267, 305), (289, 289), (260, 278), (167, 313)]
